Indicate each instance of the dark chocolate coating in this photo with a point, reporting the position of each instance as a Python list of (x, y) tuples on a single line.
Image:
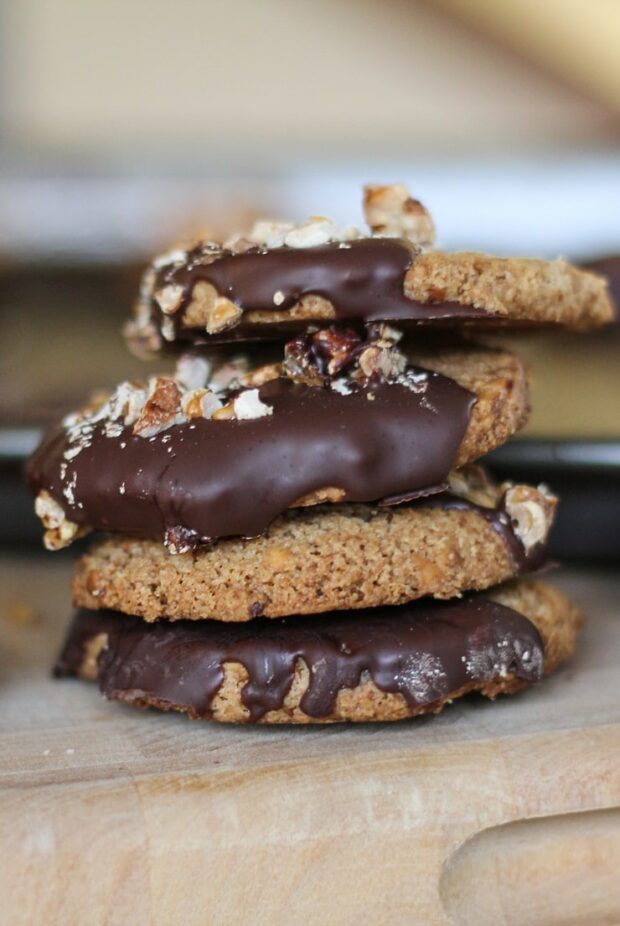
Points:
[(424, 651), (363, 280), (232, 478)]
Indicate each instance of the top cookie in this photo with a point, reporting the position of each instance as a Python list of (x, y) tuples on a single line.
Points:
[(279, 278)]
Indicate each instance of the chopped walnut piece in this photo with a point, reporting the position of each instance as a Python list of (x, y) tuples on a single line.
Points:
[(391, 211), (126, 402), (171, 258), (269, 234), (92, 650), (238, 244), (141, 333), (248, 405), (320, 357), (382, 363), (167, 329), (338, 347), (170, 298), (316, 231), (60, 531), (473, 483), (316, 356), (230, 373), (226, 413), (385, 335), (224, 314), (328, 494), (180, 539), (162, 408), (200, 403), (201, 304), (299, 364), (48, 509), (192, 372), (531, 511), (261, 375)]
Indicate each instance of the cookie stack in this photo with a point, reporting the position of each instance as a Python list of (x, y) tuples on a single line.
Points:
[(297, 529)]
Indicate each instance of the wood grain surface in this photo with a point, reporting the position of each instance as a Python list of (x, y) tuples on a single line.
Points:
[(505, 813)]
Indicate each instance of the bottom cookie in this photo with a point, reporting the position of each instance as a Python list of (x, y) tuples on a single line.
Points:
[(383, 663)]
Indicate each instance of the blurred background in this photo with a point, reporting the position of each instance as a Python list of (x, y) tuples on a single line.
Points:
[(125, 124)]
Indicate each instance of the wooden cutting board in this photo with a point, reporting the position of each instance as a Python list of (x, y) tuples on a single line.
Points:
[(505, 813)]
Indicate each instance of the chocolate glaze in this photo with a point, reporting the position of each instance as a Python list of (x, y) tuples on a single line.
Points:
[(232, 478), (362, 279), (424, 651)]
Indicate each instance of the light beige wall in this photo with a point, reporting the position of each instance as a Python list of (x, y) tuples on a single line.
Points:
[(578, 39), (224, 76)]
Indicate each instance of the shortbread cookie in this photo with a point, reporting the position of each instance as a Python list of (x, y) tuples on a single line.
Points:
[(330, 558), (281, 277), (340, 419), (381, 664)]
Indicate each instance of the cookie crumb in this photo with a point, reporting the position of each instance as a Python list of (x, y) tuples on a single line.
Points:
[(21, 614)]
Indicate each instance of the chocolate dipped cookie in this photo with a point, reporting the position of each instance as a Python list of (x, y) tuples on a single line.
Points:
[(202, 455), (381, 664), (280, 277)]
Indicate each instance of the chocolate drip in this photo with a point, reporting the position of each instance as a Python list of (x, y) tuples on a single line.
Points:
[(232, 478), (363, 280), (424, 651)]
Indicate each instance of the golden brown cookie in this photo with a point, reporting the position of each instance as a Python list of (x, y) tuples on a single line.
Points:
[(330, 558), (380, 664)]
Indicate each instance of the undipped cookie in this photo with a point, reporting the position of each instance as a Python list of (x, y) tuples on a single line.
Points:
[(330, 558)]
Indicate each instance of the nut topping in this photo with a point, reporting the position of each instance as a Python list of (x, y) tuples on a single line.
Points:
[(270, 234), (531, 511), (226, 413), (162, 408), (200, 403), (321, 357), (248, 405), (261, 375), (192, 372), (381, 362), (391, 212), (169, 298), (230, 374), (60, 531), (316, 356), (126, 402), (224, 314), (316, 231), (201, 305)]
